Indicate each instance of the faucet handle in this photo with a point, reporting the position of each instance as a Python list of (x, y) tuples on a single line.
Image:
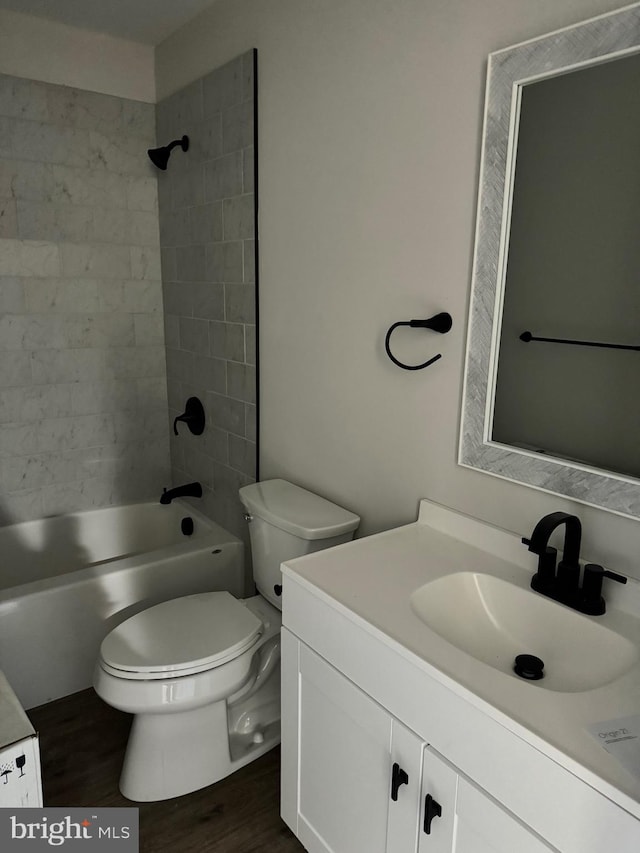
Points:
[(543, 554), (545, 578), (593, 602), (193, 416)]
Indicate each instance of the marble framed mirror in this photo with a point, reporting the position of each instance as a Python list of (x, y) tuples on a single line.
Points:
[(508, 238)]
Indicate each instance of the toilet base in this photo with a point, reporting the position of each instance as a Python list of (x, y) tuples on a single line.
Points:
[(169, 755)]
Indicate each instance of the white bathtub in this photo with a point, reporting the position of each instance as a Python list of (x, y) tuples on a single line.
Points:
[(65, 582)]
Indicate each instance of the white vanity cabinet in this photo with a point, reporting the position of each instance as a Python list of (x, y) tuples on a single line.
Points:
[(356, 779), (366, 685)]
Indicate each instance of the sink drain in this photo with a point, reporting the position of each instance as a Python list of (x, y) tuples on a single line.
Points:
[(529, 667)]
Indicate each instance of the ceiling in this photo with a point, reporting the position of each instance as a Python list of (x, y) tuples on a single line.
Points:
[(145, 21)]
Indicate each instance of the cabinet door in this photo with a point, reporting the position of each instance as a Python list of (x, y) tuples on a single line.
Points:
[(404, 790), (470, 821), (344, 741), (438, 806), (483, 826)]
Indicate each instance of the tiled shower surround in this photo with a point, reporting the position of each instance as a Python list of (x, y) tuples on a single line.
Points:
[(83, 404), (207, 226), (83, 383)]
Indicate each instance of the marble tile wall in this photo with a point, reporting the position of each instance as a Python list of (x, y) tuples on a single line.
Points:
[(207, 215), (83, 400)]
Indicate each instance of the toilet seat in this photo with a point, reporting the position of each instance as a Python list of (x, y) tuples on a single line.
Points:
[(180, 637)]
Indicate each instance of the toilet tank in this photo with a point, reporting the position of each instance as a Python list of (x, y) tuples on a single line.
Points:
[(286, 521)]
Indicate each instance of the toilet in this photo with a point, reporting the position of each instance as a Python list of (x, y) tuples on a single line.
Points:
[(201, 673)]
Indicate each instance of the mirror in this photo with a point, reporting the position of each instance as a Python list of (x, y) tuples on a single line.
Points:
[(556, 257)]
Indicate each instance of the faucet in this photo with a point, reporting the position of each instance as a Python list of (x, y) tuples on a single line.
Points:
[(191, 490), (563, 584)]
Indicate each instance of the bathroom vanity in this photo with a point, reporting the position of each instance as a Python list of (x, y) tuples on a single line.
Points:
[(404, 727), (20, 777)]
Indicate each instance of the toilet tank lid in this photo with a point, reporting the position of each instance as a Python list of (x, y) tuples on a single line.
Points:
[(296, 510)]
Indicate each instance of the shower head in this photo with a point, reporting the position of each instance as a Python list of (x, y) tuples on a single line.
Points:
[(160, 156)]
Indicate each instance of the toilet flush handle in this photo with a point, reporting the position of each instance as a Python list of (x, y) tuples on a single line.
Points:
[(248, 517)]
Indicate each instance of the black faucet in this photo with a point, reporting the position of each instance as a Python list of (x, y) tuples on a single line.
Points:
[(563, 584), (191, 490)]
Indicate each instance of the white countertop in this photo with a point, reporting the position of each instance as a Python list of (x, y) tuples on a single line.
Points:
[(371, 581)]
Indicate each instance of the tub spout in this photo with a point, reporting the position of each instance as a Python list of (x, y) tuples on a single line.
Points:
[(191, 490)]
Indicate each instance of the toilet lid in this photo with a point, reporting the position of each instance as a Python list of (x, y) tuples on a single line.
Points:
[(196, 631)]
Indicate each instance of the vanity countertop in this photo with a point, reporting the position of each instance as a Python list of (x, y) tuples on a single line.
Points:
[(370, 581)]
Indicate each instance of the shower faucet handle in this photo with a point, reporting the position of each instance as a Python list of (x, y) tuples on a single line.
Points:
[(193, 416)]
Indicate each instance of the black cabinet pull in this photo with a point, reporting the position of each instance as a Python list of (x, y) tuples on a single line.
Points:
[(398, 777), (431, 810)]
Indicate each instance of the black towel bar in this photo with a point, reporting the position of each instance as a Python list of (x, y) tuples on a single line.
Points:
[(527, 336)]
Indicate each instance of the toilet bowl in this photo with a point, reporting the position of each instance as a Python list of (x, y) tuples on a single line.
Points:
[(201, 673)]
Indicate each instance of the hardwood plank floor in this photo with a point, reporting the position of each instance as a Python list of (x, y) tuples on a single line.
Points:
[(82, 743)]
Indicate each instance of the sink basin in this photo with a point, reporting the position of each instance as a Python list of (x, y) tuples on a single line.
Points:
[(494, 620)]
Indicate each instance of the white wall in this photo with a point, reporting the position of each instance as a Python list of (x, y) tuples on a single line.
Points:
[(369, 128), (56, 53)]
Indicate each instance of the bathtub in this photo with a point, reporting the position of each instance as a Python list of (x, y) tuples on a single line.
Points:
[(65, 582)]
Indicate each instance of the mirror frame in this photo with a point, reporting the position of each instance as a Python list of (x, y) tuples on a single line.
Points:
[(610, 36)]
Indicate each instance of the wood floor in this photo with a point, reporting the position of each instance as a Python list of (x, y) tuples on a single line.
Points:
[(82, 744)]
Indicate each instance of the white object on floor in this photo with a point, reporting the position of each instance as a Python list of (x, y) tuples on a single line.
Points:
[(20, 777)]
